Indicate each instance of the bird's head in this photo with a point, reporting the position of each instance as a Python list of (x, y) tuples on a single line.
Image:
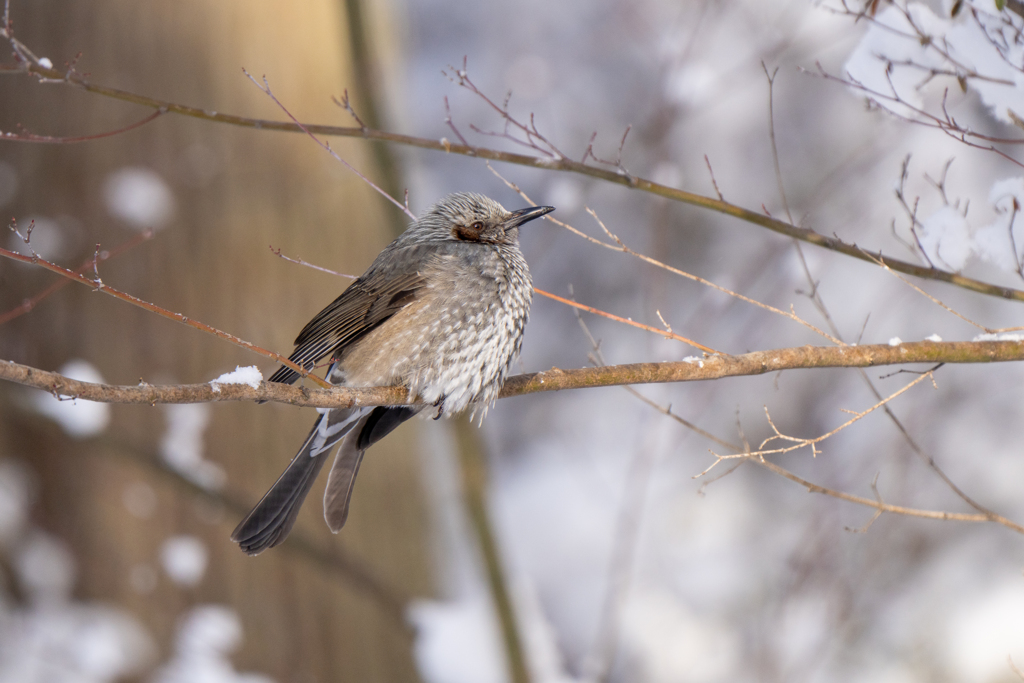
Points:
[(469, 217)]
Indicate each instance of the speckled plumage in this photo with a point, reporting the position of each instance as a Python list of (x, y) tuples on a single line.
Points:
[(441, 311)]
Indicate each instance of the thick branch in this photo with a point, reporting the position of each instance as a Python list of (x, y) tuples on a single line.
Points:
[(711, 367)]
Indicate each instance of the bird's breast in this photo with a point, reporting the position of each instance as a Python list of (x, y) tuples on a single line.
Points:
[(457, 339)]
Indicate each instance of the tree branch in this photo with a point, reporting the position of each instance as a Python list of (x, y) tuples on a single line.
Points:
[(562, 163), (708, 368)]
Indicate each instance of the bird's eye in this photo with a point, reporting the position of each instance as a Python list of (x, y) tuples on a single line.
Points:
[(478, 226)]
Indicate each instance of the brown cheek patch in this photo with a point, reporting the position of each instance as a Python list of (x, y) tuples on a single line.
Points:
[(467, 234)]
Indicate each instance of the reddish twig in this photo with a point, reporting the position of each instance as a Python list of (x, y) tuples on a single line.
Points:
[(153, 308), (277, 252), (32, 137), (596, 311), (28, 304)]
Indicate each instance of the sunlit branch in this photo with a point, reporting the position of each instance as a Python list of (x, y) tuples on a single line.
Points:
[(562, 163), (555, 379)]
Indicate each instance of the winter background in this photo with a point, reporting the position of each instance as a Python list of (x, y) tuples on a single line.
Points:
[(622, 564)]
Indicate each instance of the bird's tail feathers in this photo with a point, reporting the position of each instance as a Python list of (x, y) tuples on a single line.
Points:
[(273, 517), (371, 428)]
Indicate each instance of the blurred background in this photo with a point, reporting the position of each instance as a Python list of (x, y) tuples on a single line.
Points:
[(115, 562)]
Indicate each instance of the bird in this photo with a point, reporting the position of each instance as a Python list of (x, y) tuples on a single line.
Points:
[(441, 312)]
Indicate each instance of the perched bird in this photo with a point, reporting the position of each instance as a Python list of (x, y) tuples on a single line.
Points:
[(441, 312)]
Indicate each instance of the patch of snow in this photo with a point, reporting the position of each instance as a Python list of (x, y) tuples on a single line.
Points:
[(45, 568), (984, 631), (249, 375), (182, 445), (891, 57), (16, 493), (458, 641), (993, 242), (207, 635), (72, 643), (1000, 336), (945, 237), (140, 197), (184, 559)]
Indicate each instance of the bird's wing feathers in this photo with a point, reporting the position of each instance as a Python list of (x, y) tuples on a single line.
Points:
[(387, 287)]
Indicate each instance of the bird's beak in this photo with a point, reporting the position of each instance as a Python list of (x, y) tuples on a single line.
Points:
[(517, 218)]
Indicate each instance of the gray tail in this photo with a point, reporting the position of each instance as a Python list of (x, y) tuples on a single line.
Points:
[(359, 428), (371, 428), (270, 521)]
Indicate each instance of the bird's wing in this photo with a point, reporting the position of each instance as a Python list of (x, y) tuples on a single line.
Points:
[(391, 284)]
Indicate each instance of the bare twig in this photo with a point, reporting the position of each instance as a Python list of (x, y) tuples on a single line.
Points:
[(301, 262), (771, 137), (911, 211), (878, 505), (96, 285), (621, 247), (545, 162), (714, 183), (532, 138), (812, 443), (791, 314), (668, 334), (266, 90), (991, 330), (25, 136), (30, 303)]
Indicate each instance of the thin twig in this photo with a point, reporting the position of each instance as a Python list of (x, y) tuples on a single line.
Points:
[(32, 137), (562, 164), (596, 311), (301, 262), (265, 88), (714, 183), (991, 330), (878, 504), (30, 303), (881, 506), (598, 356), (621, 247), (153, 308)]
